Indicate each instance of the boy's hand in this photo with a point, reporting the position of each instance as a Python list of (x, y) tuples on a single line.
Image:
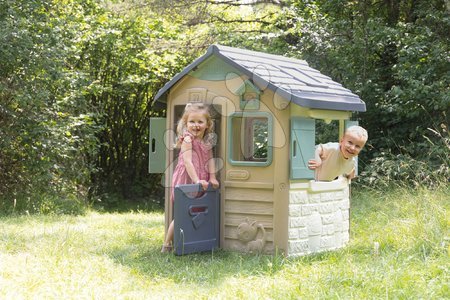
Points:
[(214, 183), (351, 175), (314, 164)]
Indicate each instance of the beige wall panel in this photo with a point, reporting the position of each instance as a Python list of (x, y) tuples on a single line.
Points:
[(190, 88), (249, 194), (246, 207), (256, 174), (282, 111), (236, 219), (248, 184)]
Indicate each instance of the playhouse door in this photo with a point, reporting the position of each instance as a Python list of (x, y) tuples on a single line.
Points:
[(197, 219), (200, 231)]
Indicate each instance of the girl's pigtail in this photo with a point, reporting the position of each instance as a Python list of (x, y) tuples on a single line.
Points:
[(180, 130)]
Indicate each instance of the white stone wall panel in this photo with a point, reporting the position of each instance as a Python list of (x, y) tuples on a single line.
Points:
[(318, 217)]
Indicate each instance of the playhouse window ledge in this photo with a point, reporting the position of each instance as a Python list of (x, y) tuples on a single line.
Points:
[(319, 186)]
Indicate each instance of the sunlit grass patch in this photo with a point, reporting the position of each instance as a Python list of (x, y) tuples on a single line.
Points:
[(112, 255)]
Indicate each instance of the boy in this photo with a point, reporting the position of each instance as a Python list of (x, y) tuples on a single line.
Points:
[(335, 159)]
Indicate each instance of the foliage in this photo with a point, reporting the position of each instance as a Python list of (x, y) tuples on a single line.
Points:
[(260, 138), (402, 169), (46, 129), (395, 57), (107, 256), (326, 133), (124, 73), (76, 92), (78, 78)]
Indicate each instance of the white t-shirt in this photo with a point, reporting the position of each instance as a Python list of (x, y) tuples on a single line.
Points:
[(333, 163)]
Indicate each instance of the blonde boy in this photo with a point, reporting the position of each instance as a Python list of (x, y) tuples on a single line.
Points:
[(335, 159)]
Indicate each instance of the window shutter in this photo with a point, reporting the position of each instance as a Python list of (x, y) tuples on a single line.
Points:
[(303, 135), (349, 123), (157, 150)]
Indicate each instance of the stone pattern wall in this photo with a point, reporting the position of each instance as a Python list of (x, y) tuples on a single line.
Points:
[(318, 218)]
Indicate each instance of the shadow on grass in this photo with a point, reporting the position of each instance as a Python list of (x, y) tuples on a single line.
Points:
[(198, 268), (211, 268)]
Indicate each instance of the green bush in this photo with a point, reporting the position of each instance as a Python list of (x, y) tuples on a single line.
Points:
[(403, 170), (430, 169)]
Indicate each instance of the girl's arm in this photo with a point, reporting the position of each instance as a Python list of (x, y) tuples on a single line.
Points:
[(212, 171), (186, 149)]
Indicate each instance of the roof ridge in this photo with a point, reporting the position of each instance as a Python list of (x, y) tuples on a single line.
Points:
[(224, 49)]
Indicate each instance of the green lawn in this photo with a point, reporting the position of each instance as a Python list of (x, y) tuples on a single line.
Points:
[(116, 256)]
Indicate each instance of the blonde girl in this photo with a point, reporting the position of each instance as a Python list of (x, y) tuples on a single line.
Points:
[(195, 162)]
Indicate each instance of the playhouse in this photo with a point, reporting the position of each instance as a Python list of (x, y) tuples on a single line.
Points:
[(265, 108)]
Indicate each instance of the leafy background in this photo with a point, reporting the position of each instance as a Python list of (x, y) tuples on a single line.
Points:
[(77, 79)]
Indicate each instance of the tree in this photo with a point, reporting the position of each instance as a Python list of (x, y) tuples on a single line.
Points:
[(125, 63), (394, 54), (45, 127)]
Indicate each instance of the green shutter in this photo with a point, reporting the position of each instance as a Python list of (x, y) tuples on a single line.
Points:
[(157, 149), (303, 135), (349, 123)]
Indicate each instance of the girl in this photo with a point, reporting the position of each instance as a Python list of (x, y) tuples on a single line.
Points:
[(195, 163)]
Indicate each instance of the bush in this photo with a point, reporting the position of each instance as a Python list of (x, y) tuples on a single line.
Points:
[(431, 169), (47, 129)]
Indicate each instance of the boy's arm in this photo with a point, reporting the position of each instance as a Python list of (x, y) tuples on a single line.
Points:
[(317, 161), (352, 174)]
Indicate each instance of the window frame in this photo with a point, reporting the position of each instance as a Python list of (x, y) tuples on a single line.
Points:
[(231, 138)]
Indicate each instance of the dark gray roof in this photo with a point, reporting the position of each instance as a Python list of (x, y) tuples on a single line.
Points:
[(292, 78)]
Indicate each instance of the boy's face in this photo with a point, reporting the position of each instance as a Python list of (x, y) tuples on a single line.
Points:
[(351, 144)]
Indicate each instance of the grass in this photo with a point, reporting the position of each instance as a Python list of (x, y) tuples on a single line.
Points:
[(116, 256)]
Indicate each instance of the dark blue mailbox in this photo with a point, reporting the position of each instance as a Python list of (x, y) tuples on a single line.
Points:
[(197, 219)]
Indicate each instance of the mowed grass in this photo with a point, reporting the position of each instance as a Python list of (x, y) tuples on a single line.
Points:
[(117, 256)]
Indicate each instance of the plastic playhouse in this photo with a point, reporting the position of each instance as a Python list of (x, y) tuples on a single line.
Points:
[(265, 108)]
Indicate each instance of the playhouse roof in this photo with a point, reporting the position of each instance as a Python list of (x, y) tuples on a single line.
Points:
[(293, 79)]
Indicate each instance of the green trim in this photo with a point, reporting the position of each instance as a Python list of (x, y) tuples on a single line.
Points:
[(215, 69), (231, 139), (248, 88)]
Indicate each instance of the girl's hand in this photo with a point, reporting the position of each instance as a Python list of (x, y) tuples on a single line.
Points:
[(214, 183), (203, 183)]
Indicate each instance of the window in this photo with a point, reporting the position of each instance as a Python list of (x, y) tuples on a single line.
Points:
[(250, 139), (326, 132)]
